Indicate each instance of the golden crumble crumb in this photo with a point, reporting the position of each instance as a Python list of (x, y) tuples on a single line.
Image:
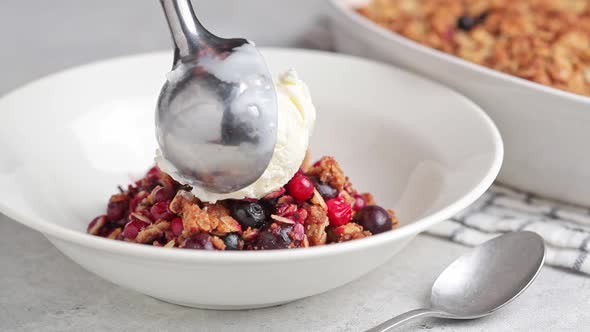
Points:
[(348, 232), (545, 41), (218, 243), (328, 171), (152, 232), (315, 225)]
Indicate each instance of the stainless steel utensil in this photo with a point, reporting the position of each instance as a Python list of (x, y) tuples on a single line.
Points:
[(216, 118), (481, 281)]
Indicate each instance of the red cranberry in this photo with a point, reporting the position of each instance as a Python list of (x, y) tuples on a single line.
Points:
[(176, 226), (160, 211), (160, 194), (300, 187), (374, 219), (339, 211), (299, 232), (285, 209), (96, 225), (133, 228), (449, 33), (359, 202), (199, 241), (300, 215), (136, 200), (275, 194), (116, 210), (154, 172)]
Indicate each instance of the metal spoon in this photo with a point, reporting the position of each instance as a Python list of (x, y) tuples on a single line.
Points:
[(217, 112), (481, 281)]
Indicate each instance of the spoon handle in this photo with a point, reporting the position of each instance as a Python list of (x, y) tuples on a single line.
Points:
[(187, 32), (404, 318)]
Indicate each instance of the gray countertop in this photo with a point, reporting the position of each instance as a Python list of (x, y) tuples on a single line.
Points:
[(41, 290)]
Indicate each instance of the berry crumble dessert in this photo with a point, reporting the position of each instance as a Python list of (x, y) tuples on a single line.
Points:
[(317, 206), (545, 41), (293, 204)]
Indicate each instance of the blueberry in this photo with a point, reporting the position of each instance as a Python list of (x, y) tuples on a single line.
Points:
[(232, 241), (324, 189), (199, 241), (249, 214), (273, 237), (466, 23), (269, 204), (374, 219)]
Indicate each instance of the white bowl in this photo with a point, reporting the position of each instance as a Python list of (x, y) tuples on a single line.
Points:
[(69, 139), (545, 130)]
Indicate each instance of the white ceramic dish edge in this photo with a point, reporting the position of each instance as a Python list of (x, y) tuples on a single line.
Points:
[(542, 127)]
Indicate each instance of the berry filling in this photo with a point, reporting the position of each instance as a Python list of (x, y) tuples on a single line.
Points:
[(318, 206), (374, 219), (339, 211), (300, 187), (133, 228)]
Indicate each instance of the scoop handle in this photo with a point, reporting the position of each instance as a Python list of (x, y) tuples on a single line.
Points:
[(404, 318), (187, 33)]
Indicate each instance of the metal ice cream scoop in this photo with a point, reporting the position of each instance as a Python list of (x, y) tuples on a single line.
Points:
[(216, 119)]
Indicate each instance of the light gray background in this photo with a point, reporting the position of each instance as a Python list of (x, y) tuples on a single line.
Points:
[(41, 290)]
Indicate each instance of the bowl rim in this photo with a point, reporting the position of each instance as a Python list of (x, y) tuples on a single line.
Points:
[(345, 9), (54, 231)]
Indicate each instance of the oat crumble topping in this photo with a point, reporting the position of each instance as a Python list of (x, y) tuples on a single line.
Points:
[(545, 41), (318, 206)]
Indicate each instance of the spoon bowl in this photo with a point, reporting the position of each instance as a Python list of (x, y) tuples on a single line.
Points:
[(216, 117), (483, 280)]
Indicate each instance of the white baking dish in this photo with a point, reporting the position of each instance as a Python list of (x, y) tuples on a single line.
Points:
[(545, 130)]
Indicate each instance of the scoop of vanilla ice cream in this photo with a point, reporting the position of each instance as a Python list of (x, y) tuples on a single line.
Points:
[(296, 118)]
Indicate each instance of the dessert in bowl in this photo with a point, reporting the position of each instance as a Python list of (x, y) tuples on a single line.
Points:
[(318, 206), (427, 158), (293, 204)]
